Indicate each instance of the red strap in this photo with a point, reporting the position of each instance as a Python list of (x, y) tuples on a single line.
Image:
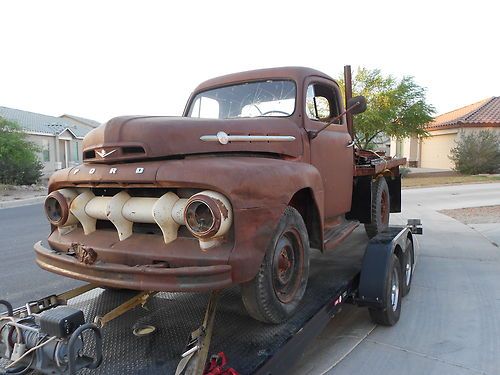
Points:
[(217, 366)]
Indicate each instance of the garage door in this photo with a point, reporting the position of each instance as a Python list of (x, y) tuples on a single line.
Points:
[(435, 151)]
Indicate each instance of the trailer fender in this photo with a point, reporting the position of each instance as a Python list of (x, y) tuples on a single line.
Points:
[(375, 266)]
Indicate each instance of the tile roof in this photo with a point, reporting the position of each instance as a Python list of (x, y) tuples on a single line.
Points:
[(485, 112), (43, 124), (82, 120)]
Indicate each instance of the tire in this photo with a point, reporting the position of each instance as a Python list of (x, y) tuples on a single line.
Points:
[(389, 314), (381, 207), (408, 267), (274, 294)]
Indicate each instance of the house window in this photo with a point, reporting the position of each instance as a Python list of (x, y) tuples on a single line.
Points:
[(45, 150), (74, 153)]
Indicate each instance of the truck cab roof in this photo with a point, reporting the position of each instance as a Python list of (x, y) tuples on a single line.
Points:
[(295, 73)]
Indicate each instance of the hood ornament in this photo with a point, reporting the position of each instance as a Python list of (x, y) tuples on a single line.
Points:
[(223, 138), (102, 153)]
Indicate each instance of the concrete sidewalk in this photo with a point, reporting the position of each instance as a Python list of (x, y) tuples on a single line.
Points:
[(21, 202)]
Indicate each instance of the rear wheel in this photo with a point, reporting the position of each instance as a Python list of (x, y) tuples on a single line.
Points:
[(408, 266), (389, 314), (274, 294), (381, 207)]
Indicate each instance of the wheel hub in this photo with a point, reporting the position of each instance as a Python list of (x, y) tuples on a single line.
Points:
[(284, 265), (394, 290), (287, 266)]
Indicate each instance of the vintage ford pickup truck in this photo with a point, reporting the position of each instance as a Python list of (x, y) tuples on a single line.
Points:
[(260, 168)]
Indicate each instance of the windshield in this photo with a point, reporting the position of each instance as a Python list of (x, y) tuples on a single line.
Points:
[(252, 99)]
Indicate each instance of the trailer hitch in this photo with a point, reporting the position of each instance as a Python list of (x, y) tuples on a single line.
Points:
[(415, 226)]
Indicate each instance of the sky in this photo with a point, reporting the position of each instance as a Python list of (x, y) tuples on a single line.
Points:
[(100, 59)]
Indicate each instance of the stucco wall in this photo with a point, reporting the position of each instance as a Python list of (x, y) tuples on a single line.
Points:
[(436, 148), (405, 148), (56, 154), (42, 141)]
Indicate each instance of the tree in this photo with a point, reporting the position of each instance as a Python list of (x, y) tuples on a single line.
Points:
[(18, 161), (477, 152), (397, 108)]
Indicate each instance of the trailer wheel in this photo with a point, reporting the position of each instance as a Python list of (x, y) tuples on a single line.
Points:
[(408, 265), (389, 314), (274, 294), (381, 208)]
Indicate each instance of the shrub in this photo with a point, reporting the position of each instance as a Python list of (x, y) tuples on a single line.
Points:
[(403, 171), (18, 161), (477, 152)]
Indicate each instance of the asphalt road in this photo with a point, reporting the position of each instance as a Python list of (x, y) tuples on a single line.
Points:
[(450, 322), (21, 280)]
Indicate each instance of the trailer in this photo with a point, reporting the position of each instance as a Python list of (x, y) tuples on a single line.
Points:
[(160, 333)]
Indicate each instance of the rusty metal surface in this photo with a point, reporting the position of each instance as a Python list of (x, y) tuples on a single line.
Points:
[(379, 167), (183, 279), (176, 136), (258, 178), (348, 95)]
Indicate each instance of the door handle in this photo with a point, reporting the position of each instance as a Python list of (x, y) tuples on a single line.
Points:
[(350, 144)]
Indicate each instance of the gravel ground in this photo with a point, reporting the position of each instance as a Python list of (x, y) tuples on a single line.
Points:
[(11, 193), (475, 215)]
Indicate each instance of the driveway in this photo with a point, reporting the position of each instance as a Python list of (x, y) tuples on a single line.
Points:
[(450, 321)]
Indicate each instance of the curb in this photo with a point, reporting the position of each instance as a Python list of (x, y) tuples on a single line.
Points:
[(21, 202)]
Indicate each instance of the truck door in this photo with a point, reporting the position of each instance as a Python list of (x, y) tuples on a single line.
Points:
[(331, 151)]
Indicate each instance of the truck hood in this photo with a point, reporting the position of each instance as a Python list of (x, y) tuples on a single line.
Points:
[(141, 137)]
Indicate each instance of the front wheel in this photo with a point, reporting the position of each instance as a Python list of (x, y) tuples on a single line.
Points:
[(274, 294)]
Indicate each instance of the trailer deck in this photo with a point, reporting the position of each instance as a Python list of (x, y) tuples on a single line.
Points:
[(248, 344), (251, 347)]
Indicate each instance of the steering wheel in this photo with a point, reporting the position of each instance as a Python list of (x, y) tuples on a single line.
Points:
[(275, 111), (258, 109)]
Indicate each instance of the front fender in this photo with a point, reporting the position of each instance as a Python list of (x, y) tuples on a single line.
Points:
[(259, 190), (249, 182)]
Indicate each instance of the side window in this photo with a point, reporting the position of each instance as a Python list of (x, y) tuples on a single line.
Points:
[(321, 102)]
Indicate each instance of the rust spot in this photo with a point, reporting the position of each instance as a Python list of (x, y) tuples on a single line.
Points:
[(222, 208), (85, 255)]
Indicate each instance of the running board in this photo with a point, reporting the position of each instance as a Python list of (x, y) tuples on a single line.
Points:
[(338, 234)]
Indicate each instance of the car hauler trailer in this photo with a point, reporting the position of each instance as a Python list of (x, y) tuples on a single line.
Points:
[(86, 329)]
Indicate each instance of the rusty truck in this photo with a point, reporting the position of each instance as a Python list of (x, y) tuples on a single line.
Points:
[(260, 169)]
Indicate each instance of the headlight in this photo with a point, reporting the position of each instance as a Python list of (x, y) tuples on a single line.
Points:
[(200, 218), (208, 214), (54, 209), (57, 207)]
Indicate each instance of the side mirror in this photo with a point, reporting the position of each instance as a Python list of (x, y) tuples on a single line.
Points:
[(358, 103)]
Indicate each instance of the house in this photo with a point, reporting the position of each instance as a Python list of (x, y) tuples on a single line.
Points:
[(80, 120), (444, 131), (59, 138)]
